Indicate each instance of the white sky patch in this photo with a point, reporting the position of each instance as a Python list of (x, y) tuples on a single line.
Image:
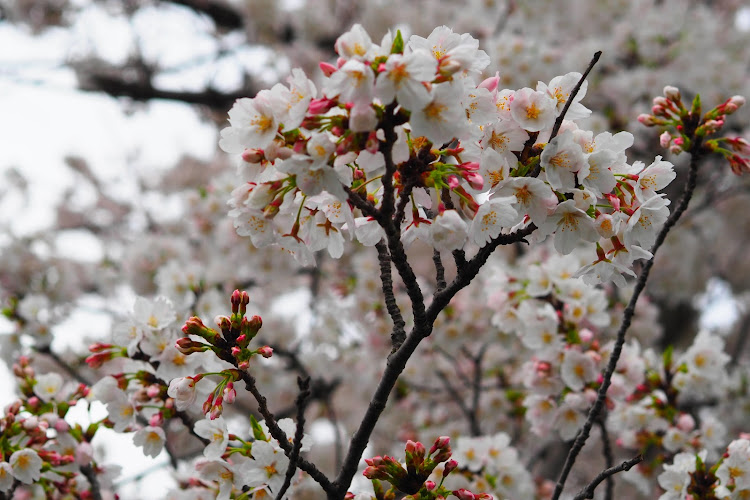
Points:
[(93, 26), (718, 306), (742, 20), (51, 123)]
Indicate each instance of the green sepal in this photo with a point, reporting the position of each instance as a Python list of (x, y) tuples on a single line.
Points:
[(258, 433), (397, 47)]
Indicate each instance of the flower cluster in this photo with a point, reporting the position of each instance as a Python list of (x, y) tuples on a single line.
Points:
[(688, 476), (413, 477), (466, 161)]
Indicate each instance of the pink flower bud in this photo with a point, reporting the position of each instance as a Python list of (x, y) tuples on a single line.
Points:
[(440, 443), (450, 466), (266, 351), (664, 139), (430, 485), (672, 93), (229, 393), (327, 68), (252, 155), (649, 120), (320, 106), (740, 145), (156, 420), (490, 83), (685, 422), (464, 494), (475, 180)]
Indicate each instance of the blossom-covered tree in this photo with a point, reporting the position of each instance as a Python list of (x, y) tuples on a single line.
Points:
[(473, 219)]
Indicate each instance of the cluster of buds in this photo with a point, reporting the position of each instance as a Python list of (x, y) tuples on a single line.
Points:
[(236, 333), (669, 111), (102, 353), (413, 480)]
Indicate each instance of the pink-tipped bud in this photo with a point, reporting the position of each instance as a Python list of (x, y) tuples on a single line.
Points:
[(490, 83), (266, 351), (327, 68), (740, 145), (208, 403), (252, 155), (235, 301), (187, 346), (450, 466), (429, 485), (733, 104), (672, 93), (320, 106), (153, 390), (440, 443), (156, 420), (97, 360), (475, 180), (453, 181), (648, 120), (99, 347), (685, 422), (230, 394), (244, 365), (664, 139), (464, 494)]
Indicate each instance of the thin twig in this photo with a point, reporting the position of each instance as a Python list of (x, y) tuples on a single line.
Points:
[(573, 93), (627, 317), (476, 389), (609, 459), (459, 400), (280, 436), (301, 402), (588, 491)]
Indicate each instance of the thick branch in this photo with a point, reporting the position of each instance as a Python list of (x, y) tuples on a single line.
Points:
[(140, 90), (224, 16), (398, 335)]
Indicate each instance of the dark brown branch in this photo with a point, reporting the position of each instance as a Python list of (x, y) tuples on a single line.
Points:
[(223, 16), (398, 334), (301, 402), (90, 474), (440, 283), (609, 459), (588, 491), (627, 317), (573, 93), (280, 436), (476, 388), (144, 91)]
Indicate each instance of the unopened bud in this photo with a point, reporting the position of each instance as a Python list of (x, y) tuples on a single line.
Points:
[(672, 93), (266, 351), (327, 68), (252, 155)]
